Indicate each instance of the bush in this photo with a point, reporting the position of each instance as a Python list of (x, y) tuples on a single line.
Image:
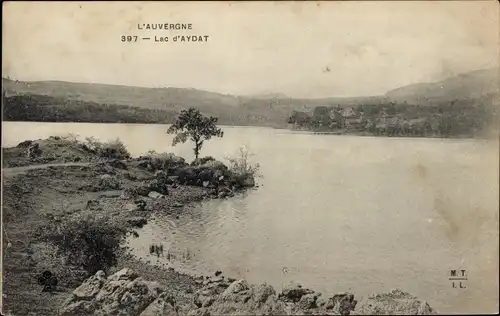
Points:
[(202, 161), (242, 171), (106, 182), (112, 149), (69, 140), (167, 162), (150, 153), (87, 242)]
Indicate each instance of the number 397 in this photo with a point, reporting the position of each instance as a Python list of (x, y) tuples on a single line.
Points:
[(129, 38)]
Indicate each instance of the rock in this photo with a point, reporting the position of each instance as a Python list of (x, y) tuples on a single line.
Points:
[(324, 303), (164, 305), (92, 204), (199, 312), (155, 195), (396, 302), (110, 194), (203, 299), (343, 303), (116, 163), (308, 301), (217, 273), (217, 279), (129, 194), (171, 179), (137, 221), (143, 190), (123, 293), (124, 274), (235, 288), (205, 175), (294, 292), (78, 308), (91, 286), (140, 205), (186, 175), (262, 292), (158, 186)]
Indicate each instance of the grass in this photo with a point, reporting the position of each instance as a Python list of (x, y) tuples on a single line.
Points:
[(86, 241)]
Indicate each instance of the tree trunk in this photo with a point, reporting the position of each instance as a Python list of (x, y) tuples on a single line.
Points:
[(197, 149)]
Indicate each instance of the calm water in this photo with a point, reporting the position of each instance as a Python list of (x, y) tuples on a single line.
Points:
[(337, 212)]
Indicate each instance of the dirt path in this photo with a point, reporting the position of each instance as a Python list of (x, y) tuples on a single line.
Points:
[(9, 172)]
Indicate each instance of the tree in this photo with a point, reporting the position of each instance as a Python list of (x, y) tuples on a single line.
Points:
[(191, 124)]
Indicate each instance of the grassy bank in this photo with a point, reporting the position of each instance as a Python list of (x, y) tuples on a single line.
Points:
[(68, 214)]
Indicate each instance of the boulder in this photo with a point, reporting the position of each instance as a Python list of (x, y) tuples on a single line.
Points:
[(90, 287), (123, 293), (164, 305), (395, 302), (172, 179), (343, 303), (129, 194), (262, 292), (137, 221), (155, 195), (186, 175), (142, 190), (235, 288), (294, 292), (241, 299), (206, 175), (158, 186), (308, 301)]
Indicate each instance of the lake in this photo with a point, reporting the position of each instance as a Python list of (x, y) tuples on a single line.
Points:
[(334, 213)]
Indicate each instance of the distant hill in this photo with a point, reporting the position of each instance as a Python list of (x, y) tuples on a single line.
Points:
[(472, 85), (266, 96), (267, 110)]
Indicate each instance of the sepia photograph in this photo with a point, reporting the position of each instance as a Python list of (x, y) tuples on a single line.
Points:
[(209, 158)]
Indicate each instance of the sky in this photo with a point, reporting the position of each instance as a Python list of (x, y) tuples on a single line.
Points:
[(312, 49)]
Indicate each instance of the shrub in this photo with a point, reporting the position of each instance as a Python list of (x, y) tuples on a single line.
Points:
[(112, 149), (242, 171), (202, 161), (69, 140), (87, 242), (150, 153), (107, 182), (167, 161)]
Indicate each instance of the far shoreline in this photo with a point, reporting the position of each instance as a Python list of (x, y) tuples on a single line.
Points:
[(282, 129)]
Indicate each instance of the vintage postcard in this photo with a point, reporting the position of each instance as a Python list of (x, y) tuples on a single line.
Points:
[(250, 158)]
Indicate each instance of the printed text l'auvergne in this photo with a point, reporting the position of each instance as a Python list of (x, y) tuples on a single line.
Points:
[(164, 26)]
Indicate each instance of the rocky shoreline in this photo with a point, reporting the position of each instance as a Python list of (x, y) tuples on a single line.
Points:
[(125, 193), (127, 293)]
